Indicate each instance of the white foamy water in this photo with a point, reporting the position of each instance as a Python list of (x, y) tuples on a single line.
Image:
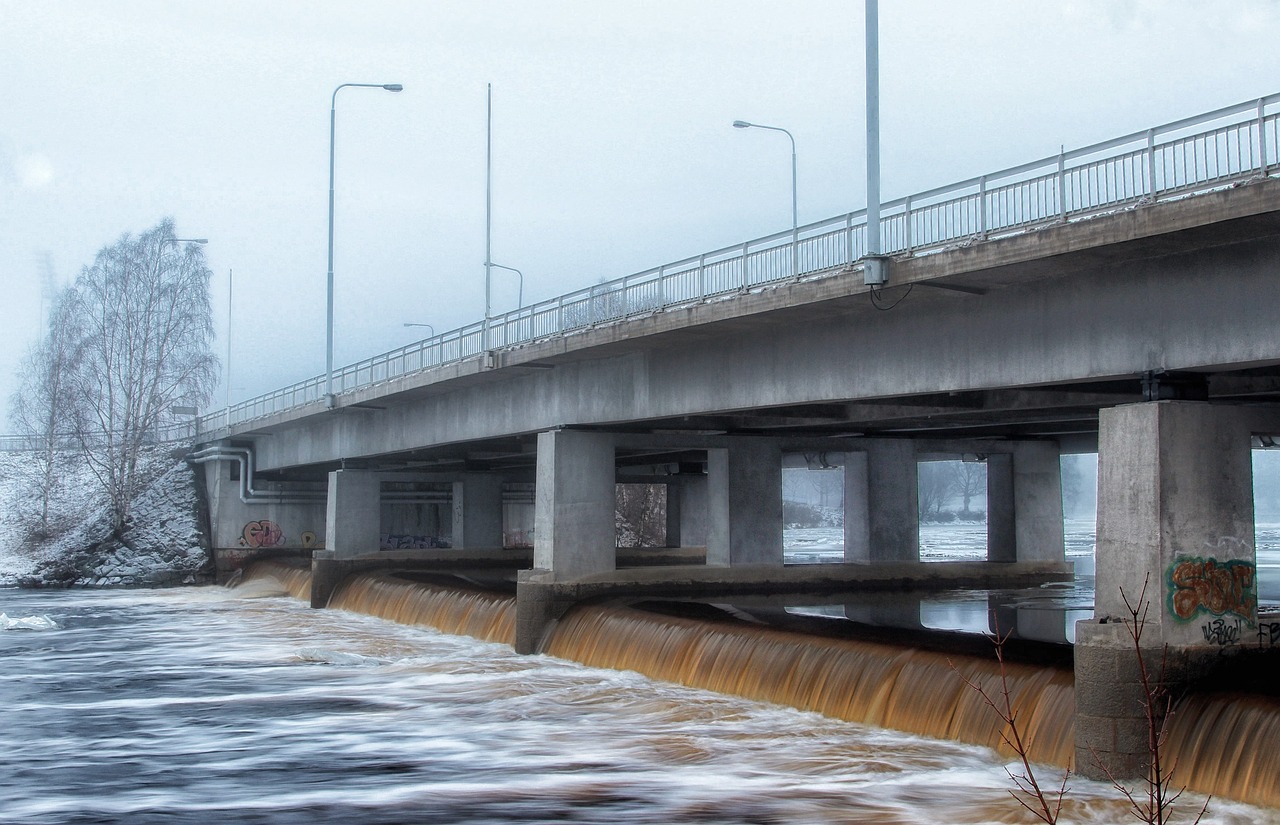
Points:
[(27, 623), (188, 706)]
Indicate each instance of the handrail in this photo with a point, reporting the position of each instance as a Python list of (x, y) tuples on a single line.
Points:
[(1072, 185)]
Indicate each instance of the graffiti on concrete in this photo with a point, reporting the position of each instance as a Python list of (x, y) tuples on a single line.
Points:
[(1207, 585), (396, 541), (1229, 546), (1268, 634), (517, 538), (1222, 632), (261, 533), (309, 539)]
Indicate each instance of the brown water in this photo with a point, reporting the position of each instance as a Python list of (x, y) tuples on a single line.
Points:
[(1222, 744)]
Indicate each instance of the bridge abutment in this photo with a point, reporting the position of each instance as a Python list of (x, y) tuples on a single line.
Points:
[(1175, 540), (242, 531)]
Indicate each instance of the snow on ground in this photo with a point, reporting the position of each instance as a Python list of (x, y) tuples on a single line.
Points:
[(161, 546)]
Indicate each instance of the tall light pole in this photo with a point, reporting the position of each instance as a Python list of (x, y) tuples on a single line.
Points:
[(488, 213), (875, 266), (333, 116), (230, 282)]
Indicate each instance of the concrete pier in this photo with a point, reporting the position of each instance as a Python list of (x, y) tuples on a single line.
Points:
[(1175, 539), (882, 509)]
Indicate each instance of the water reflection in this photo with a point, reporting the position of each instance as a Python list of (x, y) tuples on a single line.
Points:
[(1047, 613)]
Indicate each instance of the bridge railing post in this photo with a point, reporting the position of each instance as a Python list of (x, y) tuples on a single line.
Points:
[(702, 277), (1262, 135), (1062, 185), (906, 225), (849, 257), (982, 206), (1151, 164), (795, 252), (745, 263)]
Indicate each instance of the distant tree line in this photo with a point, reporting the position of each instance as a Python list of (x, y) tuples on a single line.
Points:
[(128, 342)]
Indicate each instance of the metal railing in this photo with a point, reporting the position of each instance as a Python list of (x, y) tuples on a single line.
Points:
[(1189, 156)]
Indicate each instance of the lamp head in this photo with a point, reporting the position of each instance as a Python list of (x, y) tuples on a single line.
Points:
[(392, 87), (741, 124)]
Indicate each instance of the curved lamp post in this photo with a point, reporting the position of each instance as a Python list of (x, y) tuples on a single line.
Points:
[(428, 326), (742, 124), (333, 115), (520, 297)]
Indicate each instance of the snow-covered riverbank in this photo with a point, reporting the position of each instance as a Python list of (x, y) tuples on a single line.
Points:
[(162, 545)]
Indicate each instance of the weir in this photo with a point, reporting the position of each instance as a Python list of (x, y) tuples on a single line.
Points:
[(1221, 743)]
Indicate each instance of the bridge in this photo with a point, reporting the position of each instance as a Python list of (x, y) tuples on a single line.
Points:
[(1116, 298)]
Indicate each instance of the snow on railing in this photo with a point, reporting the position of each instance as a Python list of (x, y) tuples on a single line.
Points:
[(1175, 159)]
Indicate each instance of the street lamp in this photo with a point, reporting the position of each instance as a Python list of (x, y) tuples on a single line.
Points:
[(520, 297), (742, 124), (428, 326), (333, 116)]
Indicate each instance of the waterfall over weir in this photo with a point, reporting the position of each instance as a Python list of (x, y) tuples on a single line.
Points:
[(1222, 744)]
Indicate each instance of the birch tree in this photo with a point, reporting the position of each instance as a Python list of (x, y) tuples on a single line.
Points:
[(144, 331), (40, 409)]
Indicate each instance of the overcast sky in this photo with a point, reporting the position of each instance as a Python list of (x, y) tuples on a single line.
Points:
[(613, 150)]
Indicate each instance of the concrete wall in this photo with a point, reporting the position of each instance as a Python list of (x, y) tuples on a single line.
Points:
[(244, 531)]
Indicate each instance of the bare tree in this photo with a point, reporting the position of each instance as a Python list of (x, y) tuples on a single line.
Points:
[(144, 330), (39, 409), (934, 486), (968, 479), (1045, 805)]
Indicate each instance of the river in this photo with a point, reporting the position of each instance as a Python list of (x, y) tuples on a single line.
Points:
[(199, 705)]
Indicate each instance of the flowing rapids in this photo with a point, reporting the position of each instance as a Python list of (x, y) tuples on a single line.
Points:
[(202, 705)]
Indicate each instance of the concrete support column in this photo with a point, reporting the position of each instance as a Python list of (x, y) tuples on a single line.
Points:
[(575, 533), (744, 503), (1175, 512), (1037, 501), (353, 517), (1002, 535), (477, 511), (1024, 504), (881, 503), (693, 510)]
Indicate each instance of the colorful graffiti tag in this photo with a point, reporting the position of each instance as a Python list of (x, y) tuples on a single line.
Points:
[(1214, 587), (261, 533)]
